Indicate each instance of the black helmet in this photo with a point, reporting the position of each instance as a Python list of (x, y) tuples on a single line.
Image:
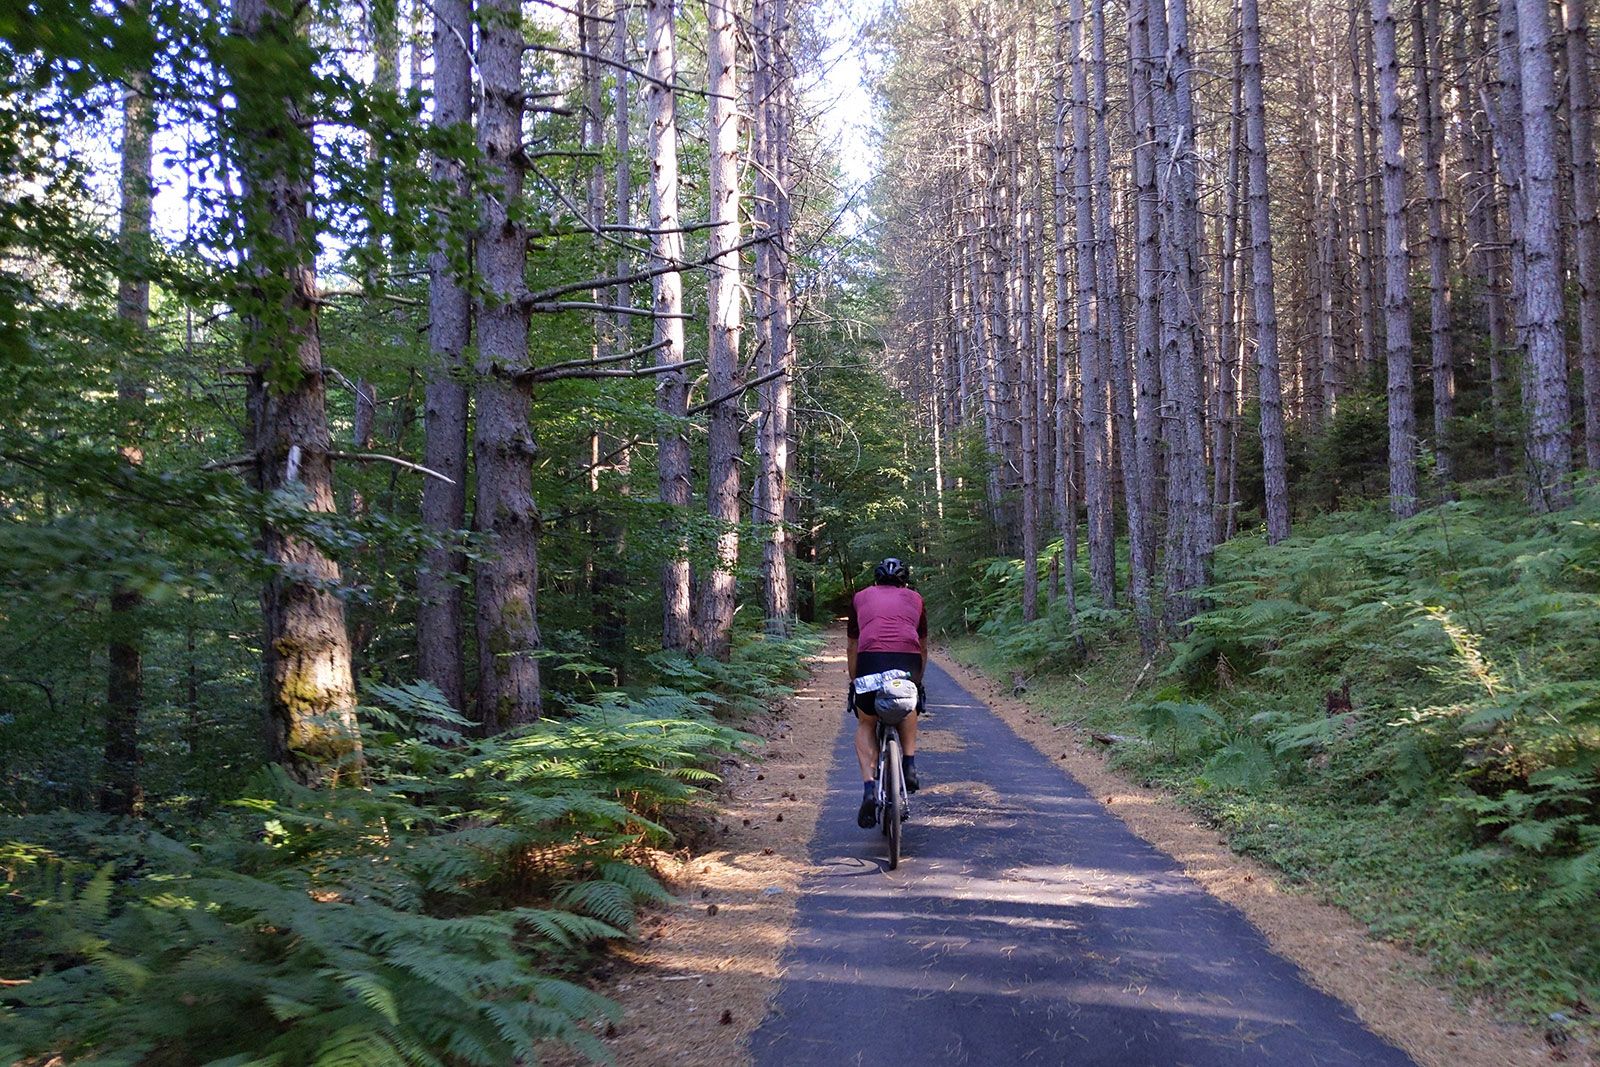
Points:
[(891, 572)]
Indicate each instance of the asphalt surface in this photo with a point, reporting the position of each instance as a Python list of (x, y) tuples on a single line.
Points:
[(1027, 925)]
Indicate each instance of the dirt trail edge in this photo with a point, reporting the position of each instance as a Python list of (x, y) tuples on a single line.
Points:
[(701, 975), (1026, 925)]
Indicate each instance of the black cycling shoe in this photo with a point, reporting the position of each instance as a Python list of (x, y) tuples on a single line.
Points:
[(912, 784), (867, 817)]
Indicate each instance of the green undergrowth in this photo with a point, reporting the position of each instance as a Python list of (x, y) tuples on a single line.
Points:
[(440, 915), (1404, 718)]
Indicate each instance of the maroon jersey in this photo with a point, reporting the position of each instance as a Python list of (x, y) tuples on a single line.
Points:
[(888, 618)]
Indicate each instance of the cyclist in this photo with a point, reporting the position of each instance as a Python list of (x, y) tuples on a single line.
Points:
[(888, 630)]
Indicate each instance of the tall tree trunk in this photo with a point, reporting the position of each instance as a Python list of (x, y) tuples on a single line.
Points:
[(610, 579), (769, 88), (666, 248), (1223, 430), (309, 685), (1147, 278), (506, 515), (1366, 283), (1481, 214), (441, 630), (724, 310), (1585, 190), (1430, 123), (1114, 341), (122, 792), (1096, 401), (1066, 461), (1189, 529), (1269, 387), (1397, 281), (1548, 403)]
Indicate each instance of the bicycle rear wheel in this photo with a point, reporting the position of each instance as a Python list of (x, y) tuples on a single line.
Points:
[(894, 790)]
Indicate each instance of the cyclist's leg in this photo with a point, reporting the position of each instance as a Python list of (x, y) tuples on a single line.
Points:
[(867, 745), (867, 756), (908, 734)]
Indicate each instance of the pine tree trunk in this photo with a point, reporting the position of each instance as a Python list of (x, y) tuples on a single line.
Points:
[(441, 631), (724, 311), (1096, 401), (1366, 283), (1147, 280), (611, 576), (122, 791), (1481, 214), (1430, 123), (1066, 459), (1585, 190), (768, 89), (309, 685), (1189, 523), (1508, 135), (1548, 403), (1262, 283), (1397, 282), (1114, 337), (1223, 429), (506, 515), (666, 247)]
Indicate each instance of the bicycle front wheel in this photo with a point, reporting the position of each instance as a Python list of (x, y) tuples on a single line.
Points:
[(894, 790)]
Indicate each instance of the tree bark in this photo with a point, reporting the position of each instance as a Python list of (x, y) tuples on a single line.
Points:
[(1114, 341), (1096, 400), (771, 120), (441, 629), (724, 310), (308, 680), (1585, 190), (1189, 524), (610, 580), (666, 247), (1066, 460), (1430, 123), (506, 515), (1397, 283), (1263, 290), (1147, 278), (1548, 403)]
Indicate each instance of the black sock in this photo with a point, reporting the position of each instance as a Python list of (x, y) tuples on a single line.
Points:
[(869, 790), (909, 761)]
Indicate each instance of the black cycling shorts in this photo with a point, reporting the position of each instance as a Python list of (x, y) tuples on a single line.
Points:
[(877, 662)]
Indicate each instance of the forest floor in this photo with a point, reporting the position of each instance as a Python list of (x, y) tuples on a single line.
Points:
[(703, 975)]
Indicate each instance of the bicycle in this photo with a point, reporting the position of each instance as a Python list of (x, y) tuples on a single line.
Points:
[(893, 808)]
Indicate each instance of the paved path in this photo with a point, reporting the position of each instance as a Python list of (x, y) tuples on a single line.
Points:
[(1027, 926)]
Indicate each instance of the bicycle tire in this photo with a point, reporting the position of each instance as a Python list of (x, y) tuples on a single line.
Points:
[(894, 790)]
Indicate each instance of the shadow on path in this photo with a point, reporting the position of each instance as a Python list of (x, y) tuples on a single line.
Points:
[(1027, 925)]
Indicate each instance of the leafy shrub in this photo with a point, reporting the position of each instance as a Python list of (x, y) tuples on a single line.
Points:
[(424, 920)]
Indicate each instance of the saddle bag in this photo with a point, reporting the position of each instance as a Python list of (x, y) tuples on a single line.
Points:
[(895, 700)]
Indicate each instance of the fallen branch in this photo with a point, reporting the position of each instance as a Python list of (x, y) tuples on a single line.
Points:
[(1137, 679)]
